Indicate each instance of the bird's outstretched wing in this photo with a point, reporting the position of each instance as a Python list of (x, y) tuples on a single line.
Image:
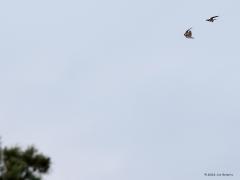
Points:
[(212, 19)]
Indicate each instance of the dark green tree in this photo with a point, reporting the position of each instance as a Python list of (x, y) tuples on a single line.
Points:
[(19, 164)]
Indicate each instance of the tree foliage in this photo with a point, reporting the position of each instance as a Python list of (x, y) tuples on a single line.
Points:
[(19, 164)]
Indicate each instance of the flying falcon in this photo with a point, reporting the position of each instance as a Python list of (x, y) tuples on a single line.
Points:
[(188, 34), (212, 19)]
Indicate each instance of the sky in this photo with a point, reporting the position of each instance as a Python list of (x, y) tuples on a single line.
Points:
[(113, 90)]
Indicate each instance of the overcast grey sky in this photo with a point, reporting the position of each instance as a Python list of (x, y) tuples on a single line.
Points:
[(113, 90)]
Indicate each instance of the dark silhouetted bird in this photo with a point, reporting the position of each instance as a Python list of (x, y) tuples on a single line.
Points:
[(212, 19), (188, 34)]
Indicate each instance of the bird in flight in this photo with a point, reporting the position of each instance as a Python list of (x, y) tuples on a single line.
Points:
[(212, 19), (188, 34)]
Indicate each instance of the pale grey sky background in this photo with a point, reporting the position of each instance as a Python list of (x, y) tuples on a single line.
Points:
[(113, 90)]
